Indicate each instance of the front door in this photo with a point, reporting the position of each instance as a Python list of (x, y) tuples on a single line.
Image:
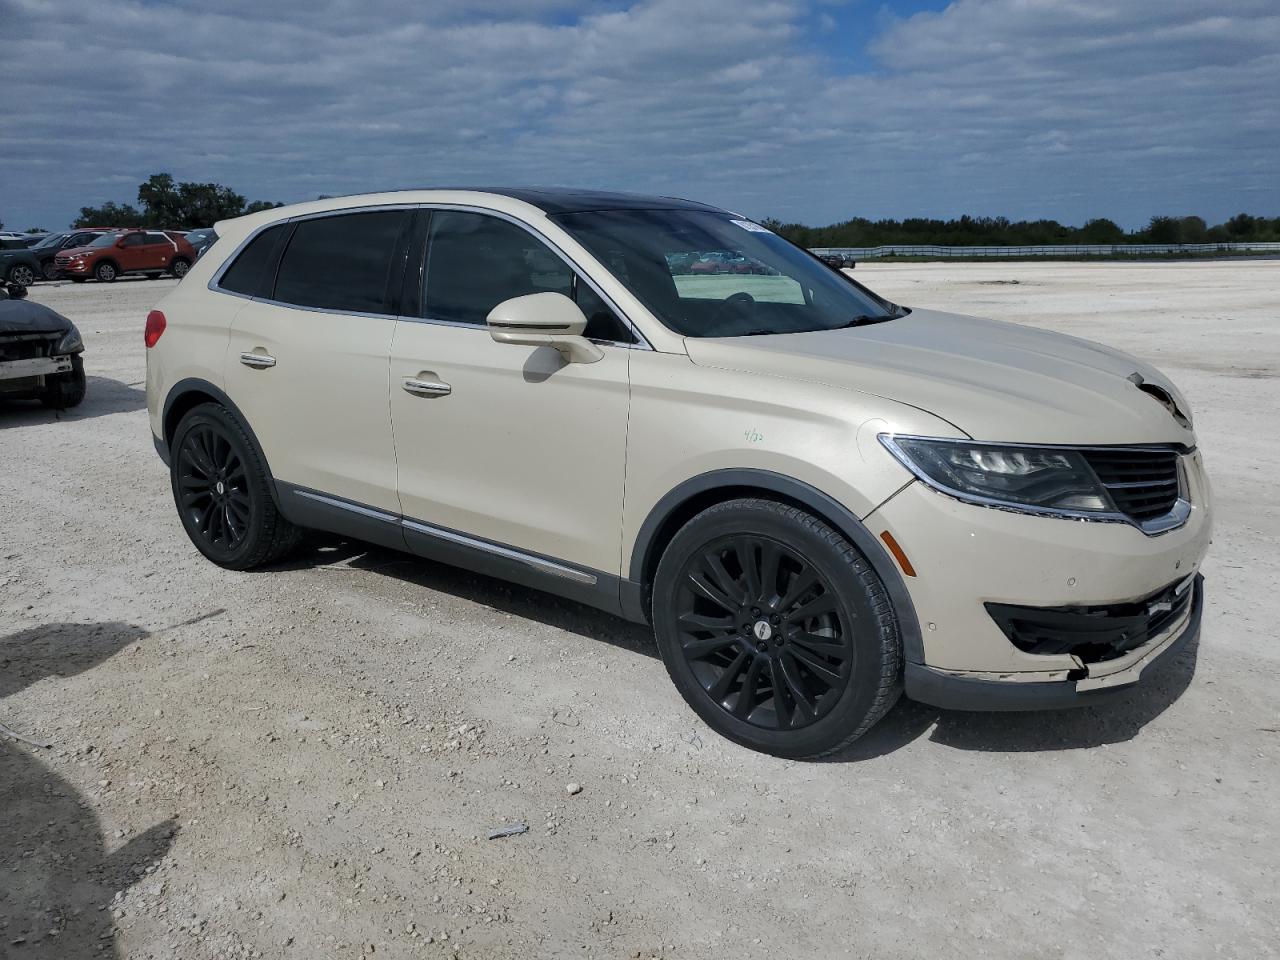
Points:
[(509, 444), (307, 363)]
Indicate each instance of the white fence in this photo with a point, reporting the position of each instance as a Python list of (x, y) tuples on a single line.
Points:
[(1059, 250)]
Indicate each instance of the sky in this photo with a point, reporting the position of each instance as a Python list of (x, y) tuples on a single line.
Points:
[(806, 110)]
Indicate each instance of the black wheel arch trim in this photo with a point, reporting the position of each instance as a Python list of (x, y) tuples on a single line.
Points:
[(194, 385), (811, 498)]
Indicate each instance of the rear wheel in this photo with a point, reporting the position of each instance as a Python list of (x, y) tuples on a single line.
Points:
[(179, 267), (22, 275), (63, 390), (223, 494), (775, 629), (105, 272)]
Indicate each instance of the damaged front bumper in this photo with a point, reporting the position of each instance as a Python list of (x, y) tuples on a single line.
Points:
[(13, 371), (959, 690)]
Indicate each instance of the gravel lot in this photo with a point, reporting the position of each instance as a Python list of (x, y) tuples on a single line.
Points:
[(306, 762)]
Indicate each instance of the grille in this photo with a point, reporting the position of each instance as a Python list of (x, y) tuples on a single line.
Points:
[(1143, 483), (1094, 634), (26, 346)]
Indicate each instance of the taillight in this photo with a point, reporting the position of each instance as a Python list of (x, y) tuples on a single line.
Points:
[(155, 327)]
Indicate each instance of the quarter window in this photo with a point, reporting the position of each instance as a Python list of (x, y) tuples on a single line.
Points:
[(341, 262), (249, 273), (474, 262)]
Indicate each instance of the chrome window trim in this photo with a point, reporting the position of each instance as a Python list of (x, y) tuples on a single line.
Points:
[(452, 536), (214, 283), (1177, 516)]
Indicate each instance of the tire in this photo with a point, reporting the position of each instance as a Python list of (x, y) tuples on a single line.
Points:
[(49, 270), (22, 275), (223, 494), (64, 390), (106, 272), (179, 267), (803, 622)]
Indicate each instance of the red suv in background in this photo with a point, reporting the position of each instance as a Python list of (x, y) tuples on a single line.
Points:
[(152, 252)]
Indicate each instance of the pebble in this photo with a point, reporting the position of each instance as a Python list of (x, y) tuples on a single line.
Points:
[(572, 788)]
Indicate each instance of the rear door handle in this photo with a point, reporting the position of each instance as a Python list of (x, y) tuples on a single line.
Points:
[(259, 361), (426, 388)]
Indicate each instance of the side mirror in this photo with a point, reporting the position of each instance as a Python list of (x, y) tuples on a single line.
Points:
[(544, 320)]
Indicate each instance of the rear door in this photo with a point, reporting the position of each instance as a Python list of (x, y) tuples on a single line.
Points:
[(308, 355), (514, 447)]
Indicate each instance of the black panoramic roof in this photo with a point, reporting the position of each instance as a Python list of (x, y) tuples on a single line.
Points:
[(568, 200)]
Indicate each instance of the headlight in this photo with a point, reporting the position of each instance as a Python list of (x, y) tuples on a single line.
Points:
[(70, 342), (1030, 479)]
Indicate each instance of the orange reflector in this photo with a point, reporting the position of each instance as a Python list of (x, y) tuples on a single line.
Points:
[(898, 555)]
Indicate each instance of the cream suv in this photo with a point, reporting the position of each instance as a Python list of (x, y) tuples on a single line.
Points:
[(816, 497)]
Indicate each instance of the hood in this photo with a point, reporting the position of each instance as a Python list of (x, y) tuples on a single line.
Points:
[(23, 316), (72, 251), (995, 381)]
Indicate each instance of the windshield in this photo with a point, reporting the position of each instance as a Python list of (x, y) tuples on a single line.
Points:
[(708, 274), (52, 240), (105, 240)]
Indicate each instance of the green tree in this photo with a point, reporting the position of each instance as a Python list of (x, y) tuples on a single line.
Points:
[(161, 200), (1164, 230), (1101, 230), (110, 214)]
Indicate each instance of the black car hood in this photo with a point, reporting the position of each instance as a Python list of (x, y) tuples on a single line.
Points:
[(23, 316)]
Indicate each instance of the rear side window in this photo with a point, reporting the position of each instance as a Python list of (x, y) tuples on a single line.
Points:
[(474, 262), (249, 272), (341, 262)]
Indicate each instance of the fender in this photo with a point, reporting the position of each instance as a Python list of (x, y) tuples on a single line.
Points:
[(813, 500), (192, 385)]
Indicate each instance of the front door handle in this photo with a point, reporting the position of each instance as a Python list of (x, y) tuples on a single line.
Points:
[(259, 361), (426, 388)]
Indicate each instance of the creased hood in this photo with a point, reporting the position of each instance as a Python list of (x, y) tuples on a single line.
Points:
[(23, 316), (995, 381)]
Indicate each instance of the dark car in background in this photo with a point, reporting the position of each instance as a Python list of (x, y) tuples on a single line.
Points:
[(47, 250), (201, 240), (40, 352), (18, 265)]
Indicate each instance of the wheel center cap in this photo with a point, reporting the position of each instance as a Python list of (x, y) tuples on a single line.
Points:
[(221, 488), (762, 630)]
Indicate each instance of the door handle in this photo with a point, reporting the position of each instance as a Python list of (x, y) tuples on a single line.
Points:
[(259, 361), (426, 388)]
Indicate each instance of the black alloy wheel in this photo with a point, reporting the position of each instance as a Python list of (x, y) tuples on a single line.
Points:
[(763, 631), (775, 629), (222, 492), (214, 489)]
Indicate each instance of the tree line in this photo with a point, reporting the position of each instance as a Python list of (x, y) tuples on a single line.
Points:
[(179, 206), (999, 231)]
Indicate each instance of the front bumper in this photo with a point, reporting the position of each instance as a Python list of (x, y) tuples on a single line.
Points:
[(959, 691), (13, 370)]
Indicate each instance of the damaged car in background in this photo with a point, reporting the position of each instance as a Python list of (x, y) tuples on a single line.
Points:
[(40, 352)]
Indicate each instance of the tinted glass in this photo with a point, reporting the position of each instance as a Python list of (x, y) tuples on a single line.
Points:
[(710, 275), (602, 322), (156, 238), (105, 240), (474, 262), (248, 273), (340, 262), (53, 240)]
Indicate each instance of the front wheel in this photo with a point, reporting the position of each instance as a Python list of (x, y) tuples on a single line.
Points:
[(64, 390), (22, 275), (49, 270), (105, 272), (222, 491), (775, 629)]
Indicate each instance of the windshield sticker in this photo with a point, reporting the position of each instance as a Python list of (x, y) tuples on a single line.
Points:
[(748, 225)]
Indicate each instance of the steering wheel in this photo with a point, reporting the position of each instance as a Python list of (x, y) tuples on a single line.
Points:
[(726, 304)]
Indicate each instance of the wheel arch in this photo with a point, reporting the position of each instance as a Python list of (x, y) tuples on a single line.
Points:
[(186, 395), (706, 490)]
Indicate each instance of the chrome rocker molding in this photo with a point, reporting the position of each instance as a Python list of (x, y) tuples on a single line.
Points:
[(1175, 518), (313, 509)]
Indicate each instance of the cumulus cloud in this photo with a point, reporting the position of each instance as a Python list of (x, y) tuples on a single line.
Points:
[(1019, 107)]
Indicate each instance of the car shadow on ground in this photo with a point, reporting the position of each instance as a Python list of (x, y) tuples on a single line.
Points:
[(103, 396), (58, 873), (1115, 722)]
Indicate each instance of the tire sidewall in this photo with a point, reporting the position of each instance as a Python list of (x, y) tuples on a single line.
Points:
[(209, 415), (863, 603), (102, 269)]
